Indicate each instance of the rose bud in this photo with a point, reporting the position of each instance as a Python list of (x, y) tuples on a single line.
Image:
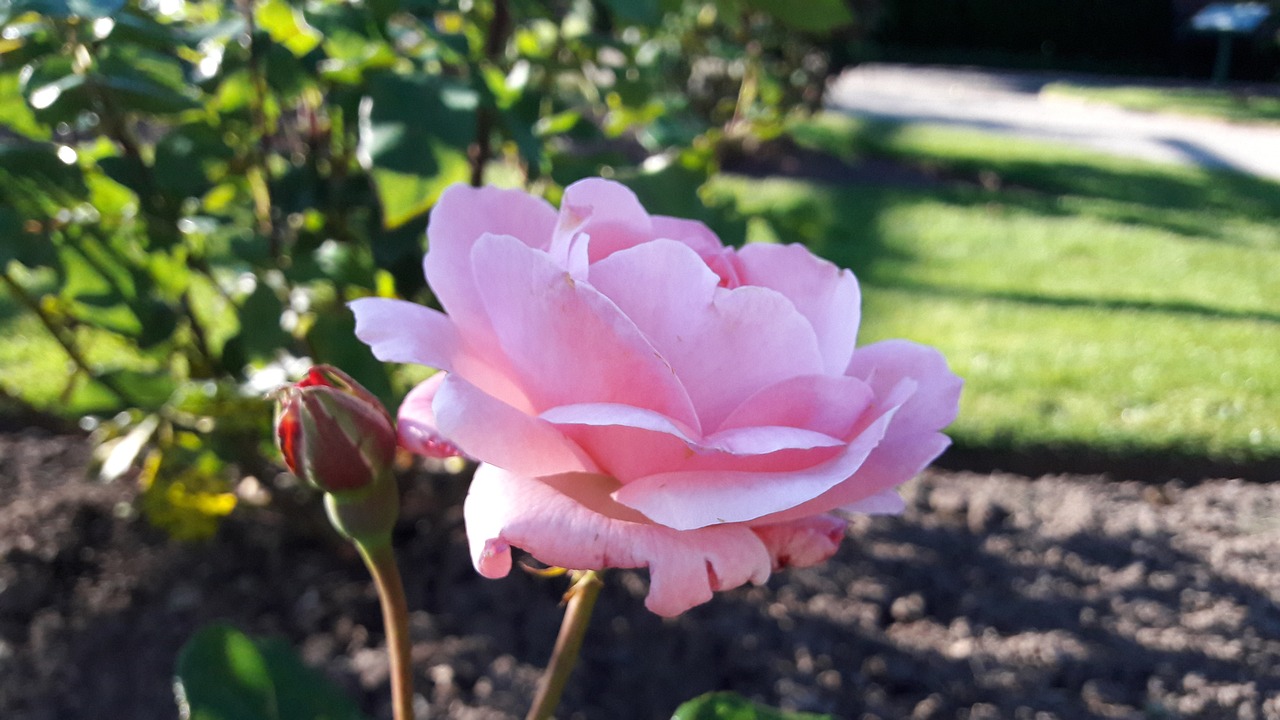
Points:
[(333, 433)]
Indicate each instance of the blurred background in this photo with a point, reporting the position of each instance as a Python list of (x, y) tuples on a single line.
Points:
[(1076, 201)]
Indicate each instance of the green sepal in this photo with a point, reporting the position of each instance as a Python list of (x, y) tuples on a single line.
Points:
[(366, 516)]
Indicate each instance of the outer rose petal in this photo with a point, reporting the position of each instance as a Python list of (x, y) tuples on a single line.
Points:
[(826, 404), (417, 421), (459, 218), (629, 443), (504, 510), (825, 294), (804, 542), (887, 502), (894, 462), (405, 332), (483, 426), (937, 397), (688, 500)]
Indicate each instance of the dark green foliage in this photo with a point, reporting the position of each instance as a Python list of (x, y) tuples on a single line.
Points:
[(731, 706), (224, 674), (203, 191)]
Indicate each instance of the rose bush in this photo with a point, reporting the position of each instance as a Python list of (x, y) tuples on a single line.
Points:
[(640, 395)]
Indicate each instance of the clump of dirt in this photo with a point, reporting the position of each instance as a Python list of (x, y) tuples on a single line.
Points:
[(993, 596)]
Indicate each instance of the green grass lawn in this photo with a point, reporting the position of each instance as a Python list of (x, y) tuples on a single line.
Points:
[(1089, 301), (1086, 300), (1222, 104)]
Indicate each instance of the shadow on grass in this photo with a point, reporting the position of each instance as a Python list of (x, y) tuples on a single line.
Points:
[(1141, 190), (1087, 303), (1146, 464)]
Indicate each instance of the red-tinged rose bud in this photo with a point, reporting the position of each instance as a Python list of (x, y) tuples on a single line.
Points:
[(333, 433)]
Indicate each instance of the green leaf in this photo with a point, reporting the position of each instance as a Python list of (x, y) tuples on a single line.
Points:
[(260, 332), (31, 249), (731, 706), (813, 16), (287, 26), (39, 164), (224, 674), (414, 133), (158, 319), (332, 340), (54, 92), (140, 28), (182, 157), (141, 80), (61, 9), (15, 114), (647, 13), (146, 389)]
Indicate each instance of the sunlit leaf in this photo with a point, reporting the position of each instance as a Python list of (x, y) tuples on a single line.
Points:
[(731, 706), (287, 26), (185, 490)]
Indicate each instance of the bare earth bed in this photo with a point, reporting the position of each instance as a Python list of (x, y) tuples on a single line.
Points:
[(994, 596)]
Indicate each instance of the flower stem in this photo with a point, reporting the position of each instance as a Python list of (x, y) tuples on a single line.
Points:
[(381, 562), (577, 613)]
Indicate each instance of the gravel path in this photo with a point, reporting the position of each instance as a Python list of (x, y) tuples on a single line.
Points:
[(1010, 103), (993, 596)]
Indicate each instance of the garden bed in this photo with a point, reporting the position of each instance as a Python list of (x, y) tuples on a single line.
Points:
[(994, 596)]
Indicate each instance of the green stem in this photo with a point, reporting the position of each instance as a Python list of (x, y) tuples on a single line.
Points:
[(577, 614), (381, 562)]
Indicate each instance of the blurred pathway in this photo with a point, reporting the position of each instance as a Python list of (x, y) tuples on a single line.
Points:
[(1010, 103)]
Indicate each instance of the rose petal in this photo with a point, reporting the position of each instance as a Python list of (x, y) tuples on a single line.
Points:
[(405, 332), (626, 442), (690, 232), (605, 211), (566, 342), (504, 510), (802, 543), (887, 502), (484, 427), (688, 500), (724, 345), (767, 439), (416, 424), (457, 221), (629, 443), (936, 400), (892, 463), (827, 404), (826, 295)]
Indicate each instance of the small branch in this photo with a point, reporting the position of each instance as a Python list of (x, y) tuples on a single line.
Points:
[(582, 597), (495, 42), (198, 336), (258, 174)]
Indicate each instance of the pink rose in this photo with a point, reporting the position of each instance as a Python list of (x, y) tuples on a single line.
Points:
[(639, 395)]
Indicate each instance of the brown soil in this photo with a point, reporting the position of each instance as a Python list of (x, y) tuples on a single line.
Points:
[(993, 596)]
